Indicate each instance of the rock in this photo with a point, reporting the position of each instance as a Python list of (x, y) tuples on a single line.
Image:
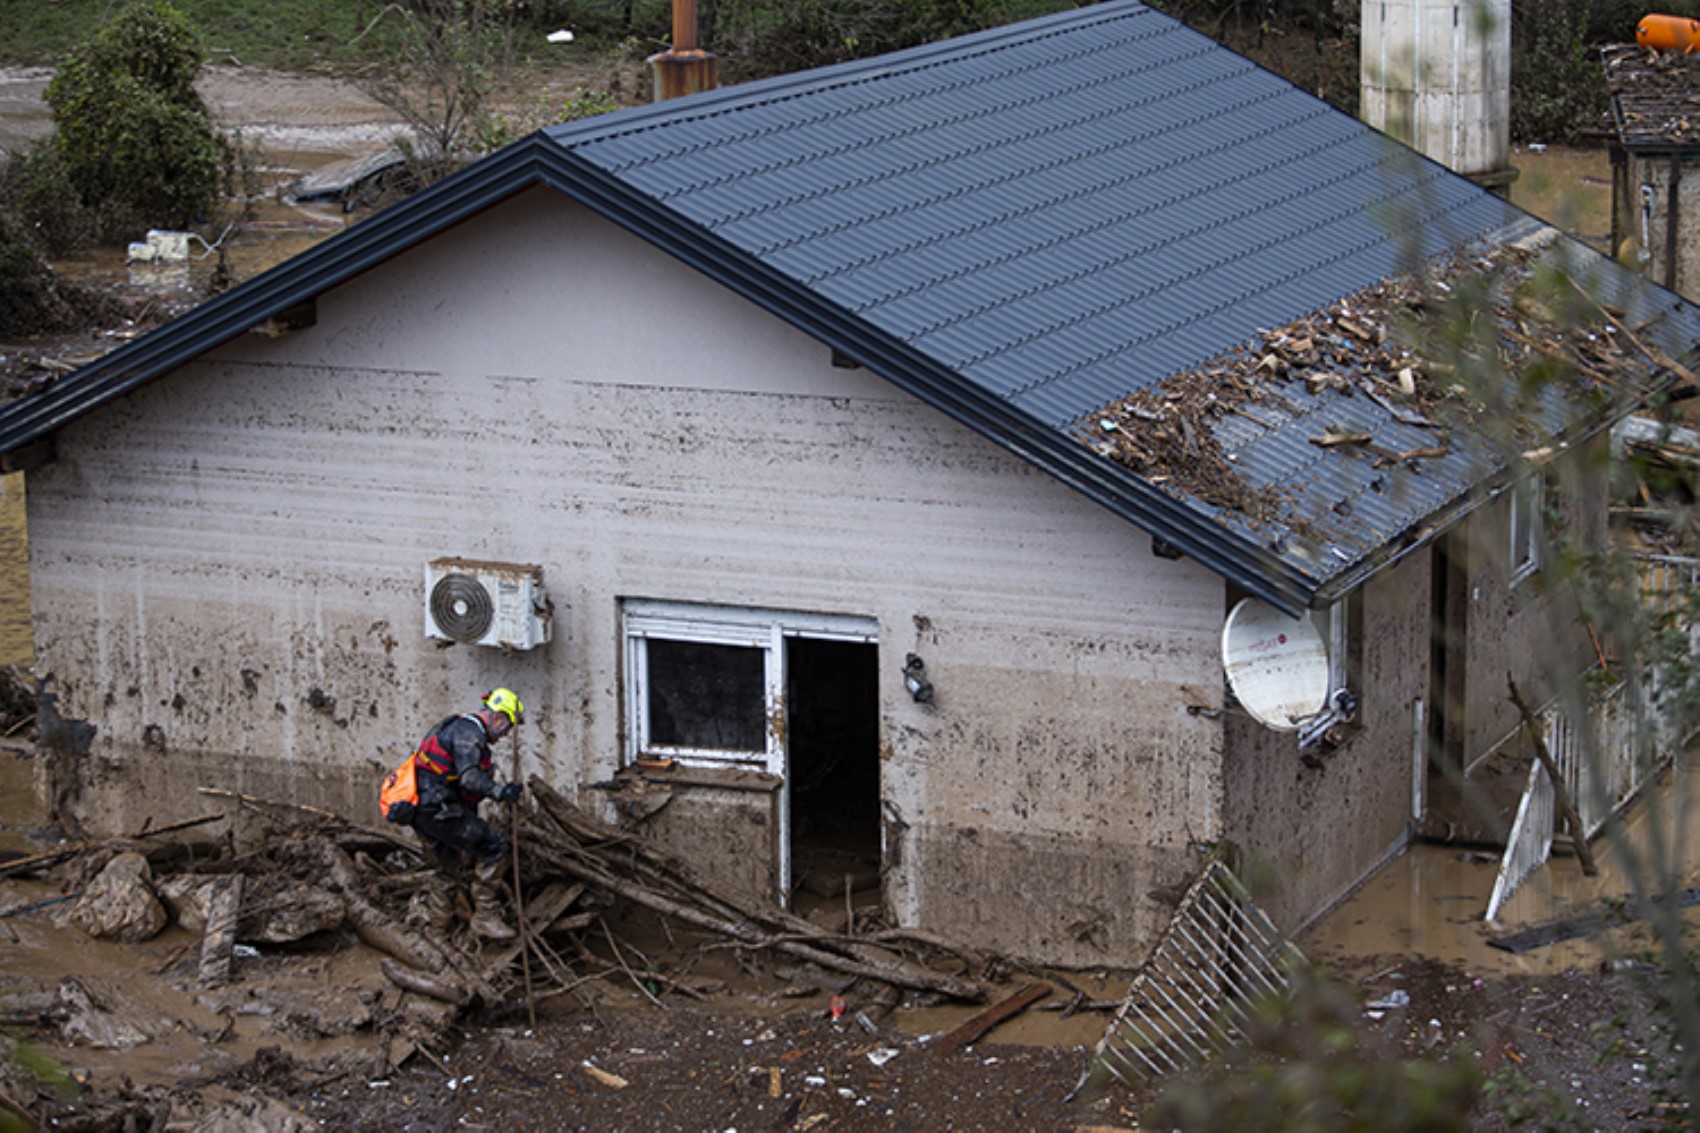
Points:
[(273, 912), (254, 1115), (119, 904), (289, 913), (186, 897), (89, 1022)]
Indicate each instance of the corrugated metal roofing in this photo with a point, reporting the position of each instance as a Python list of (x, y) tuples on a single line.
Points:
[(1059, 214), (1019, 227)]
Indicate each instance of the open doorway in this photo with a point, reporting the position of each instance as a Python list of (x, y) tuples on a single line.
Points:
[(833, 765)]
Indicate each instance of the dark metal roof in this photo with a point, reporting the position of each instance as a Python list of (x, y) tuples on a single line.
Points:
[(1018, 226)]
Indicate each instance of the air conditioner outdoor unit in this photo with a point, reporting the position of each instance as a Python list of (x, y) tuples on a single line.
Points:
[(481, 603)]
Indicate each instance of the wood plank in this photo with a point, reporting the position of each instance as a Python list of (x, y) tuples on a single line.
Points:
[(976, 1028), (220, 937)]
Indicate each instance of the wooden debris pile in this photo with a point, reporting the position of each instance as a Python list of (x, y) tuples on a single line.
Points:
[(1653, 94), (1367, 346), (574, 873), (559, 841)]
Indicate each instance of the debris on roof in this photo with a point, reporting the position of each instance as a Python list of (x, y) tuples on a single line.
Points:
[(1655, 97), (1410, 344)]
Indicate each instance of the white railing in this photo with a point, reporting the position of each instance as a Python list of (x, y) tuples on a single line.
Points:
[(1603, 775)]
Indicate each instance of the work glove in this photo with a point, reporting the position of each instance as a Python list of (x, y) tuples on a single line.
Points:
[(507, 792)]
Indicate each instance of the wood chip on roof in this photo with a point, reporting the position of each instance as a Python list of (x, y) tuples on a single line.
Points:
[(1364, 346)]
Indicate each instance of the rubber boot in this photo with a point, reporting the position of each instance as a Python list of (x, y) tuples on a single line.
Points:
[(487, 919)]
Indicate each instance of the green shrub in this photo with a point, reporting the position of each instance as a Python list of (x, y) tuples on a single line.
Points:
[(1558, 87), (134, 136), (37, 186), (35, 301)]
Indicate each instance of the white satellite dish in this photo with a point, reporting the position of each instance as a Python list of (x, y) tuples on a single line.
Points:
[(1276, 665)]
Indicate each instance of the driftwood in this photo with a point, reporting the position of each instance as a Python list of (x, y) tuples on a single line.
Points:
[(52, 858), (411, 979), (648, 879), (254, 802), (657, 870), (375, 929), (574, 867), (976, 1028), (1560, 794)]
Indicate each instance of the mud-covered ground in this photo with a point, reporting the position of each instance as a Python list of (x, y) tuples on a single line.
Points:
[(654, 1025)]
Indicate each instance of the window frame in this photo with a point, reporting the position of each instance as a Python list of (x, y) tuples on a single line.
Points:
[(643, 620), (1523, 523), (1341, 627)]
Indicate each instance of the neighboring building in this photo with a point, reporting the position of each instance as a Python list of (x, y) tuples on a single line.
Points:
[(1655, 164), (770, 420)]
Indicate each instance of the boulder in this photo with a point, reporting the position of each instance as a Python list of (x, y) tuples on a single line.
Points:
[(120, 904)]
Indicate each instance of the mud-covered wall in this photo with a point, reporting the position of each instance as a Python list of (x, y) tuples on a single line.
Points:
[(1527, 628), (228, 571), (1310, 829)]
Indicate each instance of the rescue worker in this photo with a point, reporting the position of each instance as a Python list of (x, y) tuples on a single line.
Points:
[(456, 771)]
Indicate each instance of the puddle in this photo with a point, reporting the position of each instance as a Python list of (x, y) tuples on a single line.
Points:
[(1431, 899)]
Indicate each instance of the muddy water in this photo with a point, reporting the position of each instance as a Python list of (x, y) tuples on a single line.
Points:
[(156, 1022), (1431, 901)]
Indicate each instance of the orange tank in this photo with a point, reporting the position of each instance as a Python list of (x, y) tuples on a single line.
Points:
[(1668, 33)]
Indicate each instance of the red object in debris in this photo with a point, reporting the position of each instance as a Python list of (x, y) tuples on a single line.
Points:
[(837, 1008), (1669, 33)]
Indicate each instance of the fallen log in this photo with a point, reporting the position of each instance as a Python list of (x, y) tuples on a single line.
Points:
[(772, 926), (376, 930), (52, 858), (542, 911)]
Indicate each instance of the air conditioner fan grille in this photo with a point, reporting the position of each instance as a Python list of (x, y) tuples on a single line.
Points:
[(462, 607)]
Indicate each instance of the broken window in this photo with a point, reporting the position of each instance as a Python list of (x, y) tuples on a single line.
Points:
[(705, 684), (706, 696)]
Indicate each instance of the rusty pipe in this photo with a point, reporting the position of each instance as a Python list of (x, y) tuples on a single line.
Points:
[(685, 25)]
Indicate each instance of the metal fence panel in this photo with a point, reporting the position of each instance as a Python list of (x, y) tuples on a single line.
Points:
[(1218, 956)]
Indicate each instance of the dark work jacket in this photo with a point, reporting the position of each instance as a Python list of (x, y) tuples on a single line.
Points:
[(462, 742)]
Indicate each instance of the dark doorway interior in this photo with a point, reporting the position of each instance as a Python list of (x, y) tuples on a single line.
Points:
[(832, 743)]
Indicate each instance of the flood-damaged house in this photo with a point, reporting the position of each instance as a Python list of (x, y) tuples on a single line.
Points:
[(864, 467)]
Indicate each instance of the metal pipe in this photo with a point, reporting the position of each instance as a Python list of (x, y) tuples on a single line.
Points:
[(684, 25)]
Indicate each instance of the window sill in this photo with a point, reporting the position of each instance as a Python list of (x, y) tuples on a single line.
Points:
[(683, 775)]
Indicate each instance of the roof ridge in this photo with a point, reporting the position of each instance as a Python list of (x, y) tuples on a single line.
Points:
[(781, 88)]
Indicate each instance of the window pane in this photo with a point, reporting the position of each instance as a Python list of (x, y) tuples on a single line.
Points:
[(707, 696)]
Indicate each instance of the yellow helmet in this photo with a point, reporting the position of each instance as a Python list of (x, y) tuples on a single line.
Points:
[(504, 701)]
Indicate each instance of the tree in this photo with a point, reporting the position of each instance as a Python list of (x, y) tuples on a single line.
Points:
[(443, 64), (133, 136)]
